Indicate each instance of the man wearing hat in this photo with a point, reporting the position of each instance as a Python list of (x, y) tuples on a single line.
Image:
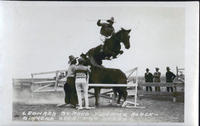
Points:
[(107, 29), (69, 87), (156, 78), (148, 78), (169, 78)]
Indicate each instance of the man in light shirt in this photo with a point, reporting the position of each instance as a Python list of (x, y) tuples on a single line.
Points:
[(81, 82)]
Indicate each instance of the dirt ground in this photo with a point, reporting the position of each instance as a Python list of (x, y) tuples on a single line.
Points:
[(156, 110)]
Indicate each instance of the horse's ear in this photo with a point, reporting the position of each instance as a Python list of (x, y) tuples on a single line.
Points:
[(122, 28), (82, 55), (129, 30)]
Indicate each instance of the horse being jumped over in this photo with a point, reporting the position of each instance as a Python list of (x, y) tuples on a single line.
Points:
[(111, 48), (101, 75)]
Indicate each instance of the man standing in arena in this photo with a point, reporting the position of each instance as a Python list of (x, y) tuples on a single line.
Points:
[(81, 82), (69, 87), (169, 78), (156, 78), (148, 78)]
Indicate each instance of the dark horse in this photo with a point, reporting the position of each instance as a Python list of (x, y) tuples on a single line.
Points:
[(111, 47), (107, 76)]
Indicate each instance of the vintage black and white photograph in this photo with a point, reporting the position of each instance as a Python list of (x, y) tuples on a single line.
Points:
[(98, 62)]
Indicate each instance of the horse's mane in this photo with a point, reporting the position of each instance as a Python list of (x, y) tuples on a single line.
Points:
[(117, 33), (114, 36)]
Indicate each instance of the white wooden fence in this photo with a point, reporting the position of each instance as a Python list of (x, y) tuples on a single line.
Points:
[(54, 82), (44, 86)]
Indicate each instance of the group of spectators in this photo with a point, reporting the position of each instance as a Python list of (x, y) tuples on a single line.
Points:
[(149, 77)]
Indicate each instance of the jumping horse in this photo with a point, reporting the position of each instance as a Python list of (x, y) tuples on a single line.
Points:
[(111, 47), (98, 75)]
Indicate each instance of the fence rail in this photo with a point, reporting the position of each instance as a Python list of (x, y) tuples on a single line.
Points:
[(162, 84), (110, 85), (49, 72), (174, 85)]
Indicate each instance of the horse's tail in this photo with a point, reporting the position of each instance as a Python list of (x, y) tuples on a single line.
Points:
[(122, 77)]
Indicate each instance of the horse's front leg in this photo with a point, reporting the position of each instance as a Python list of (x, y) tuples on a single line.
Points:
[(114, 95), (121, 52), (116, 53), (125, 94), (108, 52), (97, 92)]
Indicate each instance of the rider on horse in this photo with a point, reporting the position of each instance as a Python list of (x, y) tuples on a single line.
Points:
[(111, 46), (107, 29)]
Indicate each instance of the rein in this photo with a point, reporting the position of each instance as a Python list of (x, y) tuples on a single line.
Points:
[(115, 38)]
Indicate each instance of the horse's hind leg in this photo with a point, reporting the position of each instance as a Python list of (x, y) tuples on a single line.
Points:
[(96, 93), (122, 92), (119, 98), (125, 94), (114, 94)]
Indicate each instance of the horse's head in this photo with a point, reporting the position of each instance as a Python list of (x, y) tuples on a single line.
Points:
[(86, 59), (124, 37), (87, 62)]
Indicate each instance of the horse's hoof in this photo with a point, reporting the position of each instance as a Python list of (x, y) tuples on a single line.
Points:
[(114, 57), (118, 104), (97, 106), (124, 104), (107, 58)]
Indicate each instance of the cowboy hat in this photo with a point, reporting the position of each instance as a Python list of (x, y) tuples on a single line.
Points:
[(71, 58), (111, 20)]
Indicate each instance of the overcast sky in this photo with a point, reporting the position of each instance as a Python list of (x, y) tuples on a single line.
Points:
[(39, 37)]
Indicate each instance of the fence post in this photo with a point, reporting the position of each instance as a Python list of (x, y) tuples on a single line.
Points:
[(176, 71), (31, 82), (136, 87), (56, 81), (174, 93), (32, 86)]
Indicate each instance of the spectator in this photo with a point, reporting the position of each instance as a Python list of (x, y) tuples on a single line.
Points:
[(148, 78), (169, 78), (156, 78), (69, 87)]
